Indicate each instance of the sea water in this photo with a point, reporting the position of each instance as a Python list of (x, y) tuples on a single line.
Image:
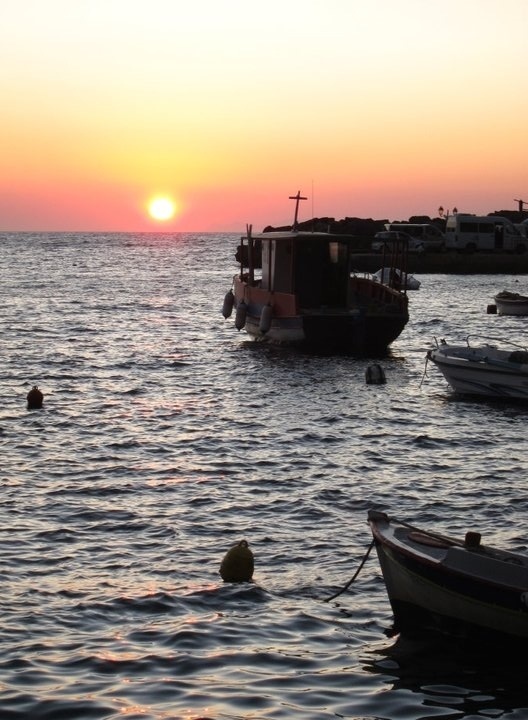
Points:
[(166, 437)]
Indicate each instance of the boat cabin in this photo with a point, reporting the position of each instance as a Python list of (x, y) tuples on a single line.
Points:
[(313, 266)]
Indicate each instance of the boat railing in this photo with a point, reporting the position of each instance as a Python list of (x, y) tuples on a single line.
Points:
[(501, 340), (486, 338), (395, 260)]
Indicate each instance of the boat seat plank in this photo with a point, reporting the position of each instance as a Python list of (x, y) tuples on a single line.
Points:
[(504, 570)]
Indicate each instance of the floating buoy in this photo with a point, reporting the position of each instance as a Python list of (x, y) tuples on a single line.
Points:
[(375, 375), (227, 307), (238, 564), (240, 317), (265, 319), (34, 398), (491, 310)]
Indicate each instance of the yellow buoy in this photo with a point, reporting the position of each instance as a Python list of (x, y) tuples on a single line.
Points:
[(238, 563), (34, 398)]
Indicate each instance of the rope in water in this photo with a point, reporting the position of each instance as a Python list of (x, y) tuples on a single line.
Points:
[(349, 583), (430, 534)]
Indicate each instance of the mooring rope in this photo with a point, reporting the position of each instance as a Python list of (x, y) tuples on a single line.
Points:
[(349, 583), (424, 372)]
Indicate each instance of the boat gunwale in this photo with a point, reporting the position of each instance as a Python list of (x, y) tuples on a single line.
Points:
[(489, 553)]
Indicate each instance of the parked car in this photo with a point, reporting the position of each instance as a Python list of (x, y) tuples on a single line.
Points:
[(387, 237), (432, 238)]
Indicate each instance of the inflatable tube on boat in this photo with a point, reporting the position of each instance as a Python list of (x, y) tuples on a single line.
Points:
[(240, 317), (265, 319), (229, 301)]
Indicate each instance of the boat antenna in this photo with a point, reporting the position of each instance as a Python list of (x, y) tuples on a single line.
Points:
[(297, 198)]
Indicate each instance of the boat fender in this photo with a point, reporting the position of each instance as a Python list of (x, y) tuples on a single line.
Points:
[(265, 319), (240, 317), (238, 563), (34, 398), (229, 301), (375, 375), (491, 309)]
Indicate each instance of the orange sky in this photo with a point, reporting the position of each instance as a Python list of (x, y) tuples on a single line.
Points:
[(382, 109)]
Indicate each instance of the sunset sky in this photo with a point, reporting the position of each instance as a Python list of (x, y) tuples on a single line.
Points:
[(383, 109)]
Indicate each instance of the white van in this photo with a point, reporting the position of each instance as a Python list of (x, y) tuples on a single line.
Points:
[(468, 233), (429, 235), (522, 227)]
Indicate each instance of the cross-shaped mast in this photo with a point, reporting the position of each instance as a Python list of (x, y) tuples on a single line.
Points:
[(297, 198)]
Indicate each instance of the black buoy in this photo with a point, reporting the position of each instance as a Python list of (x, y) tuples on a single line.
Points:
[(491, 309), (238, 563), (34, 398), (375, 375)]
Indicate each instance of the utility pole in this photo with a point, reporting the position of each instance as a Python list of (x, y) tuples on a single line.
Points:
[(522, 203)]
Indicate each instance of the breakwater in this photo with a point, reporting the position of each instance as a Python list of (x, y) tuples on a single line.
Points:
[(449, 263)]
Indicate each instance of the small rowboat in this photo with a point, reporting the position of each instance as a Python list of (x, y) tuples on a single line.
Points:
[(510, 303), (459, 587)]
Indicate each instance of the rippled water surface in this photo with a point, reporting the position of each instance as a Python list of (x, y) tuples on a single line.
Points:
[(166, 437)]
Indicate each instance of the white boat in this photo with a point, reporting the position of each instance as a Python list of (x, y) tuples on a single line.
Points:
[(462, 588), (510, 303), (397, 276), (483, 370)]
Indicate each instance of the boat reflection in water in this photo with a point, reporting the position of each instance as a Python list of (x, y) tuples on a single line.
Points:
[(304, 292)]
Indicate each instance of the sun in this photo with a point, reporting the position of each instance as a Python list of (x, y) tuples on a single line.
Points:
[(161, 208)]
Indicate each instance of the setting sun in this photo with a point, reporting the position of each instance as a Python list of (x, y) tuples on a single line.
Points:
[(161, 208)]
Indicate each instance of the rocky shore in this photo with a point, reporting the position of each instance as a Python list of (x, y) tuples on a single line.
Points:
[(361, 233)]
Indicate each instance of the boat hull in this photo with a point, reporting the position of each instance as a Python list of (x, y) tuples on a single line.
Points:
[(484, 371), (356, 330), (348, 332), (511, 307), (448, 603), (455, 594), (509, 303)]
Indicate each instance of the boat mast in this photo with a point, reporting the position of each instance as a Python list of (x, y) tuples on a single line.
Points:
[(251, 264), (297, 198)]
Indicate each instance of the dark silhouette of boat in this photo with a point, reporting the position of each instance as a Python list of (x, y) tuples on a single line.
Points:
[(459, 588), (299, 287)]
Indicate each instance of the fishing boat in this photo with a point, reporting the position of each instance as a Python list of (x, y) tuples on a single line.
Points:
[(483, 370), (462, 588), (510, 303), (301, 290)]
